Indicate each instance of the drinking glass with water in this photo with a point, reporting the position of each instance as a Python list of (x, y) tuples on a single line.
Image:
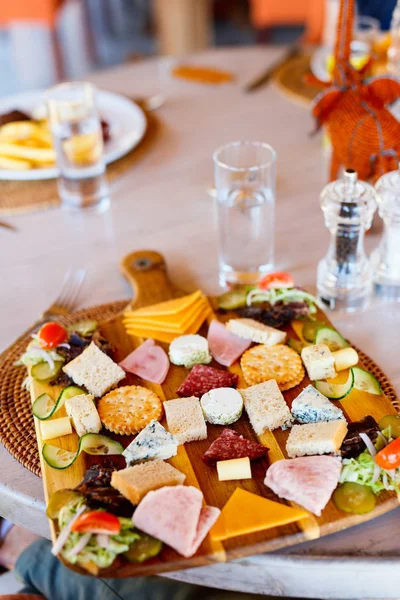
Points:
[(245, 174), (78, 141)]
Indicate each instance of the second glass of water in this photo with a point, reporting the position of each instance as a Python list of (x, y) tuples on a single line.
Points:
[(78, 140), (245, 174)]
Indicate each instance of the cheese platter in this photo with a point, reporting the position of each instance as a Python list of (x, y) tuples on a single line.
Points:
[(191, 430)]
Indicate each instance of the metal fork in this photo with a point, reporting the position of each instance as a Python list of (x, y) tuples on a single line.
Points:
[(65, 302)]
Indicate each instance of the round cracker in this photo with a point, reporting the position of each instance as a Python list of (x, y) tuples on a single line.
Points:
[(293, 382), (262, 363), (128, 409)]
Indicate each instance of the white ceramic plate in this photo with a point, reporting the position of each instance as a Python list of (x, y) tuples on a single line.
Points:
[(126, 119)]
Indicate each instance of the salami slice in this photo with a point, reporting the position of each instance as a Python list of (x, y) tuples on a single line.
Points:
[(202, 379), (231, 444)]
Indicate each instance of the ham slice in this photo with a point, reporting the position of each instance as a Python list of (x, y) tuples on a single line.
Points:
[(225, 346), (175, 516), (308, 480), (148, 361)]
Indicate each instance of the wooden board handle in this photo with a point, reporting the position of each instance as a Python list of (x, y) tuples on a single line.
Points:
[(146, 272)]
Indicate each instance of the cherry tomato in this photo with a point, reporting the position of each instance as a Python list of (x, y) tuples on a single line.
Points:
[(52, 334), (276, 280), (97, 522), (389, 457)]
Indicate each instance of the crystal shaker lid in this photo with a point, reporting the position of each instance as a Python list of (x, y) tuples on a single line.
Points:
[(348, 200), (388, 194)]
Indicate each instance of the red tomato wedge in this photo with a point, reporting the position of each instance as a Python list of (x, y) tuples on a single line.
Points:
[(276, 280), (97, 522), (389, 457), (52, 334)]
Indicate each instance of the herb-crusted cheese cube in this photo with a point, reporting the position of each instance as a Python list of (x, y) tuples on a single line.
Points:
[(83, 413), (154, 441), (96, 371), (319, 362), (311, 406)]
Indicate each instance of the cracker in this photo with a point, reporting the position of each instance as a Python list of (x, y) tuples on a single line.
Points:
[(288, 385), (129, 409), (262, 363)]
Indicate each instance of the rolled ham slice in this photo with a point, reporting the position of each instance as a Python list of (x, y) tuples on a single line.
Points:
[(148, 361), (308, 480), (175, 516), (225, 346)]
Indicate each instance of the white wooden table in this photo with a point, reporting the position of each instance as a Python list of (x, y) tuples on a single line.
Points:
[(162, 204)]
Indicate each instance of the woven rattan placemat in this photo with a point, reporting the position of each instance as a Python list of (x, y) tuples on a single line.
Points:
[(290, 79), (19, 197), (17, 430)]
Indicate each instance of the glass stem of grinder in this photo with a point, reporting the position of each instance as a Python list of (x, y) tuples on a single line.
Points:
[(344, 278)]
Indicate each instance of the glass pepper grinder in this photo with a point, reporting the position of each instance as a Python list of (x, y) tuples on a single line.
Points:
[(344, 277), (386, 258)]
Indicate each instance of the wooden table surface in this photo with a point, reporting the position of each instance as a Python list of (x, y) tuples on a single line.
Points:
[(162, 204)]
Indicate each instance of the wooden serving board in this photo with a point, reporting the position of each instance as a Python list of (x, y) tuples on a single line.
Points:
[(147, 274)]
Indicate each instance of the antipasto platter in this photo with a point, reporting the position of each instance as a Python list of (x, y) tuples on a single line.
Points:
[(191, 430)]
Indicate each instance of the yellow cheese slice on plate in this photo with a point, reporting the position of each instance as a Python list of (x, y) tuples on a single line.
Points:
[(170, 307), (247, 513), (170, 322), (167, 336)]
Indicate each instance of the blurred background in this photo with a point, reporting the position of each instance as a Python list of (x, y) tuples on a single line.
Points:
[(43, 41)]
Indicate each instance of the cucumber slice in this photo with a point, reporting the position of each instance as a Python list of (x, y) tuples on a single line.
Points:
[(45, 407), (331, 338), (95, 443), (296, 345), (233, 300), (366, 382), (336, 391), (43, 372), (310, 329), (91, 443)]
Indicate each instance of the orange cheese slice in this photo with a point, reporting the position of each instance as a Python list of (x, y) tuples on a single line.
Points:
[(167, 336), (170, 322), (246, 513), (170, 307), (160, 336)]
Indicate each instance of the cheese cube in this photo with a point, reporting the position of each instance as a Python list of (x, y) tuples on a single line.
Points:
[(236, 468), (55, 428), (250, 329), (319, 362), (316, 438), (345, 358), (311, 406), (83, 412)]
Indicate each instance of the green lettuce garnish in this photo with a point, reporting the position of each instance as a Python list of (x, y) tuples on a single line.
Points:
[(283, 295), (361, 470)]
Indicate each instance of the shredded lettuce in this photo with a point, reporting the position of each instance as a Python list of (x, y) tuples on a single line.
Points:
[(361, 470), (283, 295), (102, 557), (35, 354)]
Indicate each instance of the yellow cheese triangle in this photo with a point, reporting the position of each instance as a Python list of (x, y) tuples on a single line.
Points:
[(247, 513), (170, 307), (160, 336), (170, 322)]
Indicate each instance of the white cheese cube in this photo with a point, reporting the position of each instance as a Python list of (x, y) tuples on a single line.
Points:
[(311, 406), (222, 406), (83, 412), (153, 442), (55, 428), (236, 468), (319, 362), (250, 329)]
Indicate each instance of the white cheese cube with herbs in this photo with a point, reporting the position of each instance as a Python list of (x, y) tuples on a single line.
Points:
[(83, 413), (311, 406), (153, 442), (319, 362)]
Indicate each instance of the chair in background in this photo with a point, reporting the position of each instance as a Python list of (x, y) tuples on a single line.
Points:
[(272, 13)]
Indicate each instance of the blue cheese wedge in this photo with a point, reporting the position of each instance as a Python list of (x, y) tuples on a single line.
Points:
[(319, 362), (311, 406), (83, 413), (324, 437), (189, 350), (222, 406), (250, 329), (153, 442)]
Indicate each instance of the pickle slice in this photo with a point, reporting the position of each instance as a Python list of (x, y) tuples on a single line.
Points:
[(59, 499), (143, 549)]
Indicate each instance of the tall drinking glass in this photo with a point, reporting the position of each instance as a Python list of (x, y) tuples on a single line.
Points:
[(245, 174), (78, 141)]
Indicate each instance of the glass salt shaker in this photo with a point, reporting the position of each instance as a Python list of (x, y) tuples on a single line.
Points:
[(386, 258), (344, 277)]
